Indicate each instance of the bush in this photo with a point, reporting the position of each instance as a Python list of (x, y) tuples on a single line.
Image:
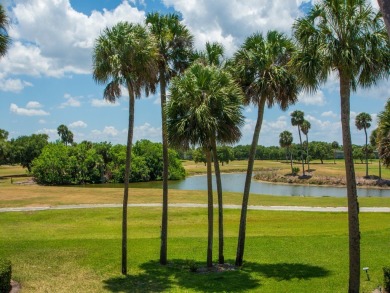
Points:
[(295, 171), (5, 275), (386, 279)]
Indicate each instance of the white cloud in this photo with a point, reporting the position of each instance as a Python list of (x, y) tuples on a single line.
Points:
[(42, 121), (27, 112), (71, 101), (329, 114), (316, 98), (43, 45), (78, 124), (147, 131), (52, 133), (13, 85), (107, 131), (103, 103), (230, 22), (33, 105)]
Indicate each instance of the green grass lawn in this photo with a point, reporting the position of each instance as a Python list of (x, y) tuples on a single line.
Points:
[(79, 251)]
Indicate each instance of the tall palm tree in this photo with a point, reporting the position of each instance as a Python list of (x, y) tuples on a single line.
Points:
[(174, 43), (4, 38), (384, 134), (362, 121), (297, 118), (335, 146), (347, 37), (305, 127), (213, 55), (285, 141), (125, 55), (205, 107), (261, 68), (374, 144)]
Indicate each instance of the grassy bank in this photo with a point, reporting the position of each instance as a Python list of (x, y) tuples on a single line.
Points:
[(79, 251)]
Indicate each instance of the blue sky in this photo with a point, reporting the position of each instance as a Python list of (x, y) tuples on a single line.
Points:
[(45, 79)]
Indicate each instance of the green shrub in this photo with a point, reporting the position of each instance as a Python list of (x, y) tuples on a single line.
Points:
[(295, 170), (5, 275), (386, 279)]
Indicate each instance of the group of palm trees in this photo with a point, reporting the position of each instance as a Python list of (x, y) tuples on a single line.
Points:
[(346, 37), (286, 139)]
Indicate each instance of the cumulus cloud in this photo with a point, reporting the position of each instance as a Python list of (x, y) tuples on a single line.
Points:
[(329, 114), (53, 47), (230, 22), (103, 103), (78, 124), (147, 131), (13, 85), (107, 131), (33, 105), (27, 111), (71, 101), (316, 98), (52, 133)]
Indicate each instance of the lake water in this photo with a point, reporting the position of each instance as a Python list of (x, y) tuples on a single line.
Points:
[(235, 182)]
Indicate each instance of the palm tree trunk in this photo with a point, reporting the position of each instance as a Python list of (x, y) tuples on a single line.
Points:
[(127, 176), (353, 205), (385, 9), (300, 140), (307, 153), (221, 258), (248, 179), (164, 218), (366, 153), (209, 210), (291, 161)]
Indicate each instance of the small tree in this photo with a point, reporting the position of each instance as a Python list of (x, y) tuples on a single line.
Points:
[(297, 119), (335, 146), (65, 134), (305, 127), (285, 141), (362, 121)]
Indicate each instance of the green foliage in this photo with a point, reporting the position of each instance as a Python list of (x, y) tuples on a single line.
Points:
[(225, 154), (96, 163), (295, 171), (386, 279), (199, 156), (5, 275), (25, 149)]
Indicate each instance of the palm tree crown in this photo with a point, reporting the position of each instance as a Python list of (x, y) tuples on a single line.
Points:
[(4, 38)]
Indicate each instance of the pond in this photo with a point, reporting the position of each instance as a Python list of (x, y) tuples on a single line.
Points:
[(235, 182)]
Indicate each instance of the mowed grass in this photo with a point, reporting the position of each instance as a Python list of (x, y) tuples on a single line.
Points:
[(79, 251)]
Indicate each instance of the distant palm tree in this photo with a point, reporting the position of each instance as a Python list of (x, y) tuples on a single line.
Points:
[(65, 134), (285, 141), (205, 107), (212, 55), (297, 118), (125, 55), (4, 38), (374, 144), (174, 42), (305, 127), (347, 37), (384, 134), (261, 67), (335, 146), (362, 121)]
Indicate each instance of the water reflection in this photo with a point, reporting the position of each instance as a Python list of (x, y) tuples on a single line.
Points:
[(235, 182)]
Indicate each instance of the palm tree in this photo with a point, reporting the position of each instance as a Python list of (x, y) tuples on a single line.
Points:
[(362, 121), (335, 146), (213, 55), (174, 43), (297, 118), (261, 68), (305, 127), (4, 38), (285, 141), (349, 38), (384, 5), (65, 134), (125, 55), (384, 134), (374, 144), (205, 107)]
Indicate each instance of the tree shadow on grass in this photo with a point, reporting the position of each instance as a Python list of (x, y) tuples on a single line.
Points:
[(287, 271), (157, 278)]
